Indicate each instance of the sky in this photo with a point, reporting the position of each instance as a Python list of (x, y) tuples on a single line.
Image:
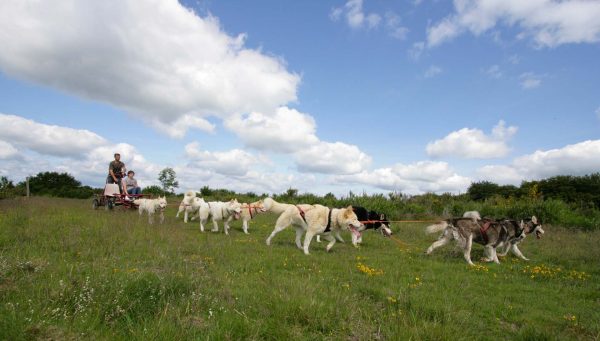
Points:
[(323, 96)]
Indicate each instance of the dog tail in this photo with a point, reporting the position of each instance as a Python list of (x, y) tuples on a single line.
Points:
[(436, 227)]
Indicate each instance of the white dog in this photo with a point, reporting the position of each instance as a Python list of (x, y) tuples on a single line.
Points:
[(328, 222), (151, 206), (219, 210), (249, 212), (189, 205), (291, 215), (472, 214)]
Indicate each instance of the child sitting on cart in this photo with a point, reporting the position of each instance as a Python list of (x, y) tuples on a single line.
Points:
[(131, 184)]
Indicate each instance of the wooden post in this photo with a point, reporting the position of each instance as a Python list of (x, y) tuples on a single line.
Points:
[(27, 186)]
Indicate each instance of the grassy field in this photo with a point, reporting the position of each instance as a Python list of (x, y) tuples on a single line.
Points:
[(68, 272)]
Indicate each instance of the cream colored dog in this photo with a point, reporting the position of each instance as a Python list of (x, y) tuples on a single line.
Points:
[(249, 212), (329, 222), (290, 215), (152, 206)]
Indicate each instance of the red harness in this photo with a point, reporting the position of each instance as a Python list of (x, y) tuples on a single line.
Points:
[(250, 211), (302, 214), (483, 229)]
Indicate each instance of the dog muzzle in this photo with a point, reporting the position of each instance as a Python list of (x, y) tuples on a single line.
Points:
[(386, 231)]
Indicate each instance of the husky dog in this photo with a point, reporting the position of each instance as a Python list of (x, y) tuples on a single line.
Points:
[(151, 206), (472, 214), (290, 215), (273, 206), (219, 210), (189, 205), (325, 221), (371, 220), (465, 231), (249, 211), (528, 226)]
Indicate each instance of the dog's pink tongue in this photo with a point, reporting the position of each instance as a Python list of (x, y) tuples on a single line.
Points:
[(355, 231)]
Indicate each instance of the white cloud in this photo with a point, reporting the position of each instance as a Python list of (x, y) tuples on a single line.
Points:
[(7, 150), (332, 158), (47, 139), (394, 27), (432, 71), (548, 22), (473, 143), (494, 72), (530, 80), (514, 59), (285, 131), (155, 59), (416, 50), (575, 159), (415, 178), (355, 17), (232, 162)]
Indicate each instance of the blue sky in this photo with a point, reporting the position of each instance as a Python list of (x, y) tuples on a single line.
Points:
[(410, 96)]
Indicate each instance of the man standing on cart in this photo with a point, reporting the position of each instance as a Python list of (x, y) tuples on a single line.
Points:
[(116, 169)]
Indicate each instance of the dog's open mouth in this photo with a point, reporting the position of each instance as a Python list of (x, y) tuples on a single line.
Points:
[(236, 215), (354, 231)]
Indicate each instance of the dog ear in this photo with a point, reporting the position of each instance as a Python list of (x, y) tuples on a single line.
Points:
[(522, 224), (534, 220), (382, 216)]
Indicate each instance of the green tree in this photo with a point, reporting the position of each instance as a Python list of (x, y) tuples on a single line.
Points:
[(167, 177), (479, 191)]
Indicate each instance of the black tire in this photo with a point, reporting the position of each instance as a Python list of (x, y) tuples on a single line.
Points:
[(110, 204), (95, 204)]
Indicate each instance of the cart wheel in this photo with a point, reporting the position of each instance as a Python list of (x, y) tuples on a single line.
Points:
[(95, 204), (110, 205)]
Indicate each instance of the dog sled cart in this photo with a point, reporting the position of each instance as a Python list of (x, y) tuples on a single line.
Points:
[(112, 197)]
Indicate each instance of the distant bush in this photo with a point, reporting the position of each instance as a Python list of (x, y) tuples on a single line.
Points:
[(56, 185), (153, 190)]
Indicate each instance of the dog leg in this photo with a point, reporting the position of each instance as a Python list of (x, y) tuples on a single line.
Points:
[(226, 225), (495, 256), (331, 240), (276, 230), (150, 218), (318, 238), (202, 222), (299, 232), (215, 225), (489, 256), (467, 250), (307, 239), (444, 239), (280, 225), (507, 248), (180, 209), (245, 226), (338, 237), (517, 252)]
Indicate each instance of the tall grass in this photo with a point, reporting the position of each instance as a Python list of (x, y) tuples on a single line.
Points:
[(68, 272)]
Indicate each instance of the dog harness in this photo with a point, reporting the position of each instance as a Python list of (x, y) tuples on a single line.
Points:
[(302, 214), (483, 229), (250, 211), (328, 227)]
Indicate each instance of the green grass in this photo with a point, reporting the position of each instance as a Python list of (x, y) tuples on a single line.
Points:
[(68, 272)]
